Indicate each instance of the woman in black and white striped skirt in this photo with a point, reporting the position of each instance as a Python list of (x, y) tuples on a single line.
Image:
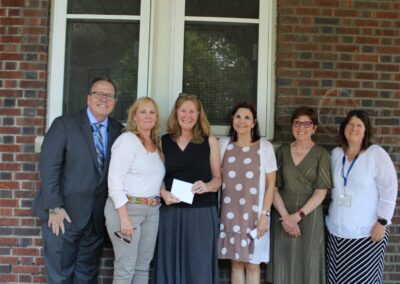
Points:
[(363, 202)]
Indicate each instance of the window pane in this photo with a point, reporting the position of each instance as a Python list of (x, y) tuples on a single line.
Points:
[(107, 7), (220, 66), (98, 49), (222, 8)]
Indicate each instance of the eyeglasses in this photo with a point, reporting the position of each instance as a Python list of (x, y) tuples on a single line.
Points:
[(100, 95), (125, 239), (306, 124)]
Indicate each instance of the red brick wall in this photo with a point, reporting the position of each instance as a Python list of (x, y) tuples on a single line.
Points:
[(333, 55), (339, 55), (24, 29)]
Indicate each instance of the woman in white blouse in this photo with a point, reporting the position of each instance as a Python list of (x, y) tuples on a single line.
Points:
[(134, 180), (362, 206)]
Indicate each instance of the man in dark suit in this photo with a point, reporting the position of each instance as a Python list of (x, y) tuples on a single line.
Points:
[(73, 169)]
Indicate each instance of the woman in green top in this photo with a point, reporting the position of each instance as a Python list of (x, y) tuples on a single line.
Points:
[(304, 176)]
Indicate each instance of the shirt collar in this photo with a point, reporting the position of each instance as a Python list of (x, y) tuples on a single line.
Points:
[(92, 119)]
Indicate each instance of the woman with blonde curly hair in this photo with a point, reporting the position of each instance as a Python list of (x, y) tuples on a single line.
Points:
[(186, 246), (134, 180)]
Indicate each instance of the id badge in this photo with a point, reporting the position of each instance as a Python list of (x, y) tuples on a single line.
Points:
[(344, 200)]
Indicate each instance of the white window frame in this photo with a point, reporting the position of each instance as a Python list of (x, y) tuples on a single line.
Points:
[(59, 18), (266, 60)]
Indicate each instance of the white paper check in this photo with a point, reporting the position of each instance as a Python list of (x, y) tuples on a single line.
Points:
[(253, 233), (182, 190)]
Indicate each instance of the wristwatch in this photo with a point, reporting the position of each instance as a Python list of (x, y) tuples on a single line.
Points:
[(382, 221), (266, 213), (301, 213)]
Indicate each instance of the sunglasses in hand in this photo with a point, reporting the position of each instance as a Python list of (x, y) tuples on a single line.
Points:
[(119, 235)]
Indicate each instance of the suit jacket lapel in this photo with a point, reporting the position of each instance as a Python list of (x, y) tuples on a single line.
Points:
[(87, 131)]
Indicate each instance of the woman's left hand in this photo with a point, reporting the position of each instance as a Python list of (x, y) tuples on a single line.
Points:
[(199, 187), (378, 232), (289, 222), (262, 226)]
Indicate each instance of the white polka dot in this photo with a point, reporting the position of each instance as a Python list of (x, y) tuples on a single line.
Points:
[(255, 208), (236, 255), (223, 186), (239, 187), (246, 149), (231, 160), (253, 190), (232, 174), (224, 250), (227, 200), (232, 240), (248, 241), (230, 215), (246, 216), (222, 235), (248, 230), (230, 147), (249, 174), (236, 228), (243, 243), (242, 201), (221, 226), (247, 161)]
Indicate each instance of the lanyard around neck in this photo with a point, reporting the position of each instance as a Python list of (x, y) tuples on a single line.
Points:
[(348, 171)]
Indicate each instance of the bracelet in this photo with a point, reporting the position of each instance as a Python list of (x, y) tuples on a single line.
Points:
[(266, 213), (301, 213), (54, 211)]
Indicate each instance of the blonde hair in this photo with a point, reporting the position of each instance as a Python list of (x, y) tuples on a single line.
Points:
[(202, 127), (132, 126)]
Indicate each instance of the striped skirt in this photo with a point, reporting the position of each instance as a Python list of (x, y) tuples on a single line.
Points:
[(355, 260)]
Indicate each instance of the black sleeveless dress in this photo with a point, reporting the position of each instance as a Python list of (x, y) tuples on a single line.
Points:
[(186, 249)]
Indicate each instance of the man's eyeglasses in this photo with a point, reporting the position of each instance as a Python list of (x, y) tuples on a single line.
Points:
[(306, 124), (125, 239), (100, 95)]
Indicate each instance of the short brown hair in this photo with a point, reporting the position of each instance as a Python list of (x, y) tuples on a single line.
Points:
[(103, 78), (306, 111)]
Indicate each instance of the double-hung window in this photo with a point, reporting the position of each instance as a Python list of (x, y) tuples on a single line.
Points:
[(224, 54), (220, 50), (92, 38)]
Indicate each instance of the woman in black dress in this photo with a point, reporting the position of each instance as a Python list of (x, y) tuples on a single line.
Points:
[(186, 246)]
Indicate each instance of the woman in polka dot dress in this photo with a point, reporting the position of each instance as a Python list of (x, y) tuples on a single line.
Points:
[(248, 172)]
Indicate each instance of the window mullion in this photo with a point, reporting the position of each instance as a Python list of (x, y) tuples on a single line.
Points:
[(221, 20), (56, 60), (266, 68), (178, 35), (144, 43), (104, 17)]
